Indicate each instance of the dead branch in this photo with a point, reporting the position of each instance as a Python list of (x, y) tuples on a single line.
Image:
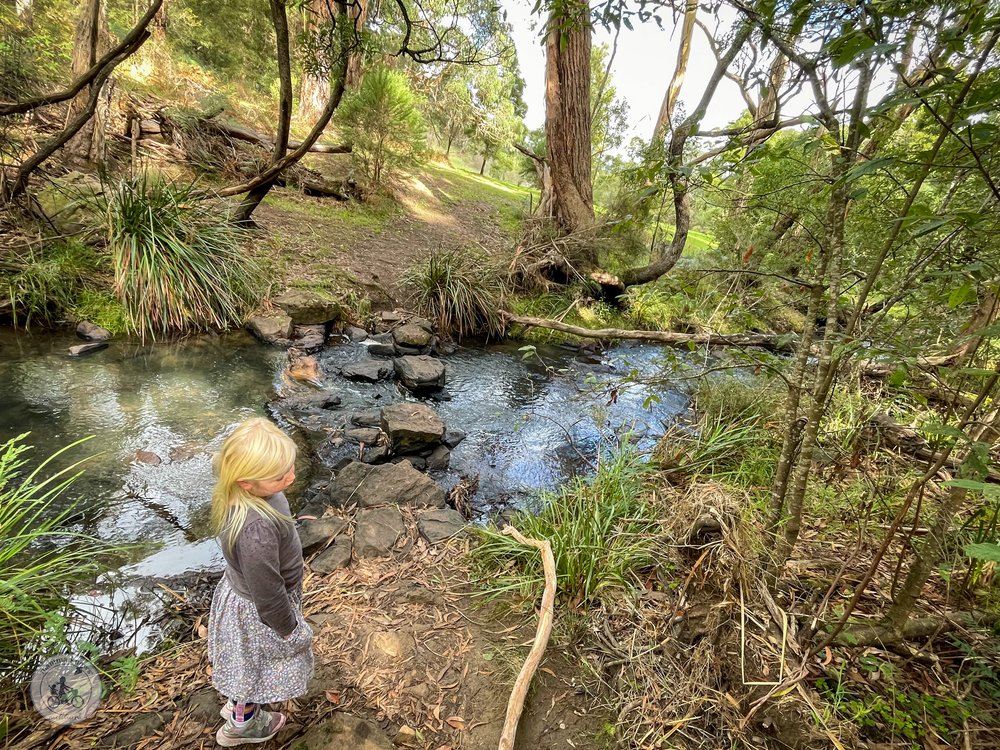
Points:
[(129, 44), (259, 139), (907, 440), (769, 341), (516, 703), (919, 628)]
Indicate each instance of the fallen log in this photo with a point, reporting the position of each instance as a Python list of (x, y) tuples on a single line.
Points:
[(917, 628), (873, 368), (515, 705), (250, 136), (770, 341), (907, 440)]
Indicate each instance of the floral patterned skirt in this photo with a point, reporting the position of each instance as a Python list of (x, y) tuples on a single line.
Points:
[(250, 662)]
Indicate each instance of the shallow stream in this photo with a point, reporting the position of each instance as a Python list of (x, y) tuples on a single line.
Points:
[(156, 413)]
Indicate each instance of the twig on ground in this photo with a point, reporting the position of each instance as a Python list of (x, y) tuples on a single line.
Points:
[(515, 705)]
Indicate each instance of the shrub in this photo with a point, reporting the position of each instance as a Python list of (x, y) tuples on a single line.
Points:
[(47, 281), (461, 291), (383, 123), (177, 260), (602, 531), (41, 561)]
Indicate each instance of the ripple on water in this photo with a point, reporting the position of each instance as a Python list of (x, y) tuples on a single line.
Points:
[(530, 423)]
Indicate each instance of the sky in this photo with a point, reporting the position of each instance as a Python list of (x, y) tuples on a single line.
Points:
[(640, 73)]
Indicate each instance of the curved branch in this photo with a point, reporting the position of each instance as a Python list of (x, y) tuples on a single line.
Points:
[(32, 163), (282, 164), (113, 57)]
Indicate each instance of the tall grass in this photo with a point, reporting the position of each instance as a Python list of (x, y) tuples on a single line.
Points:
[(461, 291), (731, 439), (48, 280), (178, 261), (602, 531), (41, 561)]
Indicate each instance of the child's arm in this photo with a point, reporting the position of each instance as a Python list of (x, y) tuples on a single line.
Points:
[(257, 550)]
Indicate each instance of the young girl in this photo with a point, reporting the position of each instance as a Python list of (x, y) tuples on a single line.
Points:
[(259, 645)]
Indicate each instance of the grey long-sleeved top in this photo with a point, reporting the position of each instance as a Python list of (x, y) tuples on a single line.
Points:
[(265, 563)]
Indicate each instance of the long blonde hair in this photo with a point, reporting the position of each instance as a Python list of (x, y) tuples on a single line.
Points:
[(256, 451)]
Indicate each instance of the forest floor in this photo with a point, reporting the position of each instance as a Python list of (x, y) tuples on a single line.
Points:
[(405, 656)]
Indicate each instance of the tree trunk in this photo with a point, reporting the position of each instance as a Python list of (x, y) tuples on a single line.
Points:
[(314, 87), (927, 558), (679, 182), (25, 11), (358, 13), (86, 148), (482, 167), (985, 314), (567, 118), (665, 119), (447, 152), (280, 21)]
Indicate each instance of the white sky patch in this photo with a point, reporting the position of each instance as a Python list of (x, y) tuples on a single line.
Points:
[(644, 64)]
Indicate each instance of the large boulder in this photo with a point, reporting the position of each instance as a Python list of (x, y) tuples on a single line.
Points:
[(420, 373), (377, 531), (341, 731), (367, 370), (413, 336), (384, 484), (271, 328), (412, 427), (307, 307)]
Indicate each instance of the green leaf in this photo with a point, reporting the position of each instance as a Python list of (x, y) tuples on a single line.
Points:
[(961, 295), (868, 167), (927, 227), (971, 484), (983, 551)]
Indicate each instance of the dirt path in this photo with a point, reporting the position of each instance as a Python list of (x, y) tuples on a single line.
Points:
[(322, 242), (404, 658)]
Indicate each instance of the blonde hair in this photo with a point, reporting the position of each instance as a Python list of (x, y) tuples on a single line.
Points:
[(256, 451)]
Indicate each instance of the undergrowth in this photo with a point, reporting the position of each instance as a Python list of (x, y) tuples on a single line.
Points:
[(461, 291), (42, 560), (602, 530)]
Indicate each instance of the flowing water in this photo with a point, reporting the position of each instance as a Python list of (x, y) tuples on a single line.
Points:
[(156, 413)]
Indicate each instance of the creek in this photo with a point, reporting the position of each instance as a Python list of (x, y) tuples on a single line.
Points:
[(156, 412)]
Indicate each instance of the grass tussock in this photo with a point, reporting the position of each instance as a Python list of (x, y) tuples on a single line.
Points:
[(179, 264), (461, 291), (731, 439), (46, 282), (602, 531), (41, 559)]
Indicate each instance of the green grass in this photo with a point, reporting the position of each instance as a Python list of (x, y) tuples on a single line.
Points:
[(41, 560), (732, 439), (48, 281), (350, 215), (602, 530), (179, 264), (455, 185)]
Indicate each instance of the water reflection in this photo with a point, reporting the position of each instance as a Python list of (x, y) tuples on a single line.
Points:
[(157, 411)]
